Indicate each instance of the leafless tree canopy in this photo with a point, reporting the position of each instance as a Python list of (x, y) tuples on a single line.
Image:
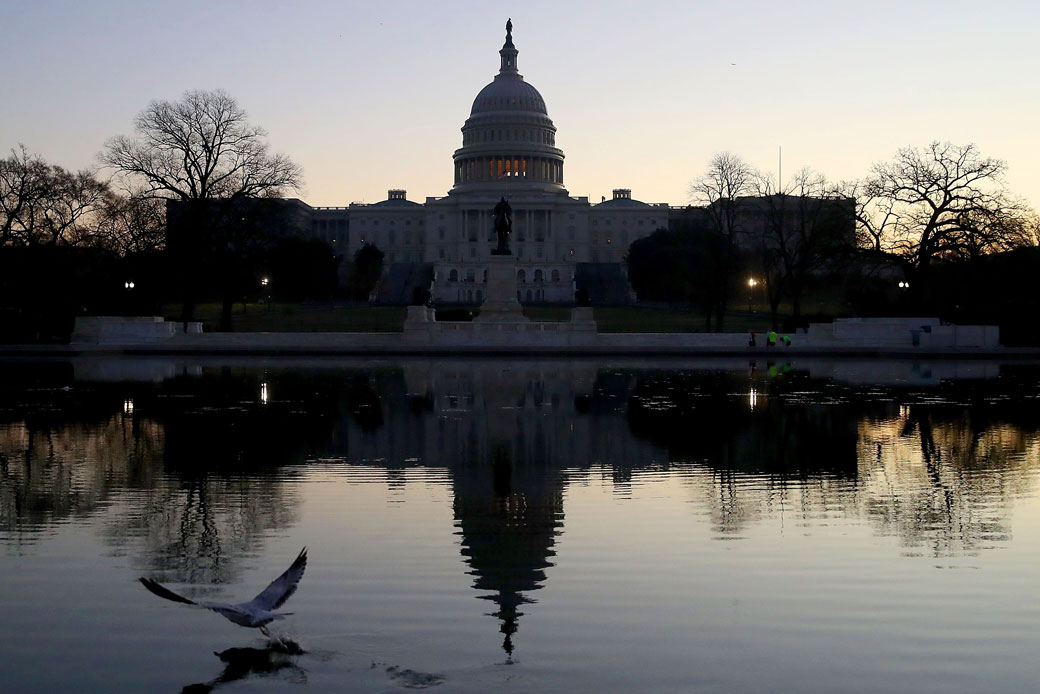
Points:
[(804, 228), (718, 191), (943, 201), (44, 204), (198, 148), (727, 179), (132, 223)]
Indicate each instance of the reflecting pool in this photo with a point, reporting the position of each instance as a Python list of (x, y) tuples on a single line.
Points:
[(480, 525)]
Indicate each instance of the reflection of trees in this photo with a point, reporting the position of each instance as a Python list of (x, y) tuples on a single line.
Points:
[(709, 417), (50, 471), (232, 441), (63, 449), (939, 472), (941, 478), (204, 460), (756, 451), (201, 469)]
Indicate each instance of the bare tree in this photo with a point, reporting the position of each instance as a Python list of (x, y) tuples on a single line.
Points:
[(804, 228), (201, 148), (727, 179), (1030, 229), (202, 152), (942, 201), (69, 214), (23, 182), (1004, 226), (131, 223), (44, 204), (876, 217)]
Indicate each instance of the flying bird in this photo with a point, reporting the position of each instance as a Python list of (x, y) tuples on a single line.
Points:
[(258, 612)]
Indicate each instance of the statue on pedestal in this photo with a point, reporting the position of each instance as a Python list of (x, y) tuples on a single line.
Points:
[(503, 227)]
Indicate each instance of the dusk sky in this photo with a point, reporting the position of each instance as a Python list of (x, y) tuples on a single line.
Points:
[(371, 96)]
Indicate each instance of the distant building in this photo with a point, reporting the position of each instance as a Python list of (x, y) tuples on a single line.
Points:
[(508, 150), (560, 242)]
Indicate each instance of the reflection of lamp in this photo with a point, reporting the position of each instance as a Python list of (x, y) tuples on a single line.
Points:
[(128, 406), (752, 399), (128, 285), (263, 393)]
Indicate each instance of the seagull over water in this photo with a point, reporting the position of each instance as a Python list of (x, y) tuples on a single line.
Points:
[(258, 612)]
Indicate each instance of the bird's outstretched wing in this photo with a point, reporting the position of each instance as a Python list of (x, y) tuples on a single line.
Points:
[(281, 588), (164, 592)]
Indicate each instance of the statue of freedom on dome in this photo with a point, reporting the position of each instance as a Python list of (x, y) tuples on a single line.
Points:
[(509, 29), (503, 226)]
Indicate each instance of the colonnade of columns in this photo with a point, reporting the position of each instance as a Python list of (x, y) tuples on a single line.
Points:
[(502, 167)]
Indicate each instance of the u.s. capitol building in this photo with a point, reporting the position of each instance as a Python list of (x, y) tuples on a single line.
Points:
[(508, 150)]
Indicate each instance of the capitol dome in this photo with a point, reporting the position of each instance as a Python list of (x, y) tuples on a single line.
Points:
[(508, 93), (508, 141)]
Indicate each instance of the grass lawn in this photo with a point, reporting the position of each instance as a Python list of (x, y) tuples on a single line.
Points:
[(340, 317), (300, 318), (645, 319)]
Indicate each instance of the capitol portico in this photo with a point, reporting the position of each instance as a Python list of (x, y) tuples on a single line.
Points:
[(508, 150)]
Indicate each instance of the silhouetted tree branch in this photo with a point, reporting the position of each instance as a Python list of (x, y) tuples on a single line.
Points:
[(719, 190), (939, 202), (44, 204), (202, 152), (807, 228)]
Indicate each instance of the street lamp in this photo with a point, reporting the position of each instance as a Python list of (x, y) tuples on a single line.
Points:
[(129, 287), (265, 284), (751, 284), (904, 285)]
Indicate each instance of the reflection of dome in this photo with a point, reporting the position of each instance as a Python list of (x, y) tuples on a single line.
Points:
[(508, 141), (508, 533)]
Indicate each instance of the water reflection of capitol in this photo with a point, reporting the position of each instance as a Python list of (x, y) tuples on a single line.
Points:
[(937, 470)]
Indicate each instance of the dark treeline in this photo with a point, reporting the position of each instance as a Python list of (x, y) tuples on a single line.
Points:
[(934, 231), (188, 209)]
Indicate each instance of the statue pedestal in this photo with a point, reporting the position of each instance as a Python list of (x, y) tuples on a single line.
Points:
[(500, 304)]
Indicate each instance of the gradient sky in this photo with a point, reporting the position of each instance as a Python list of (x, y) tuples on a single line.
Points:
[(371, 96)]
